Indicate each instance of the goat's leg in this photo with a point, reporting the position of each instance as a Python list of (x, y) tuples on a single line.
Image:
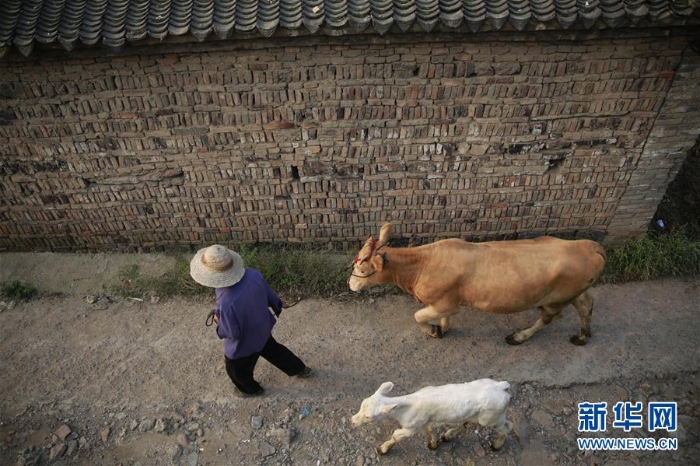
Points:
[(547, 315), (396, 437), (584, 305), (451, 433), (502, 431), (433, 442)]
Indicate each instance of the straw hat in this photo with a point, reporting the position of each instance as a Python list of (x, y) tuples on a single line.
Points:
[(217, 267)]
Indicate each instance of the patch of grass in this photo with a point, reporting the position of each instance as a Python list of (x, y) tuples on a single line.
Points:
[(650, 257), (17, 290), (292, 271), (295, 271), (176, 281)]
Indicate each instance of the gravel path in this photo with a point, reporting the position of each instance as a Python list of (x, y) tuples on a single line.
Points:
[(95, 379)]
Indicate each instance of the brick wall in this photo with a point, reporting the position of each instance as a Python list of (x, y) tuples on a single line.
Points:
[(674, 133), (326, 142)]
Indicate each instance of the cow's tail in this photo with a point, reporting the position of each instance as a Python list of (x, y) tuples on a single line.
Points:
[(600, 250)]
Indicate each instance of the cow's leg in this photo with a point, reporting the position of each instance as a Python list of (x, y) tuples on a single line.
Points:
[(445, 324), (432, 313), (396, 437), (502, 431), (584, 305), (547, 315)]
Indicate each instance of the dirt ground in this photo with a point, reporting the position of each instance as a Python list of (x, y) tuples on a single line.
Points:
[(89, 378)]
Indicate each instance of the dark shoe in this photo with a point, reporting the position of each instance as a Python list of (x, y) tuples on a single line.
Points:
[(241, 394), (305, 373)]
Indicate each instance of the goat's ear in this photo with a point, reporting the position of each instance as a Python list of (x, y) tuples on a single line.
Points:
[(385, 388), (386, 409), (378, 262), (385, 233)]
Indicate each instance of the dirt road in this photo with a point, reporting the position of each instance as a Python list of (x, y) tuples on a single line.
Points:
[(89, 378)]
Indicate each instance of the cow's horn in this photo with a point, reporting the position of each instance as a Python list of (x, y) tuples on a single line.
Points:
[(384, 235)]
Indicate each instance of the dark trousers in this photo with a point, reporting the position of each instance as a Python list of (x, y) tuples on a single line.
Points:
[(240, 370)]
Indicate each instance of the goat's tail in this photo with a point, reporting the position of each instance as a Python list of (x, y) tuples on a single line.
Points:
[(503, 385)]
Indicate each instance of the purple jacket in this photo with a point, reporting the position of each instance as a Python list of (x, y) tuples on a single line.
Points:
[(245, 322)]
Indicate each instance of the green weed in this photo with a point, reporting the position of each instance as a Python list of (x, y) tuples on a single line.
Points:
[(290, 270), (651, 257), (17, 290), (176, 281)]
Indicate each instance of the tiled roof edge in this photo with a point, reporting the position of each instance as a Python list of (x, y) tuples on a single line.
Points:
[(118, 23)]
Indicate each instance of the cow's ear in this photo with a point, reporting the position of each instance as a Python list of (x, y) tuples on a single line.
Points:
[(385, 388), (378, 262)]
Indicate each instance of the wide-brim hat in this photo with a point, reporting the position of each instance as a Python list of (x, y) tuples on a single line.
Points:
[(217, 267)]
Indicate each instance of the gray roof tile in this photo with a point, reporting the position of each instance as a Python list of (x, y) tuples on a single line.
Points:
[(115, 23)]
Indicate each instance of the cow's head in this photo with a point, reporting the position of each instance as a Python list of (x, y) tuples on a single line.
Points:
[(369, 261)]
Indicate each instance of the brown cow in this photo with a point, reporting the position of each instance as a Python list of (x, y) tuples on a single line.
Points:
[(499, 276)]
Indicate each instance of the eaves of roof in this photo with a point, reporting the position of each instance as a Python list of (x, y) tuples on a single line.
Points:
[(117, 23)]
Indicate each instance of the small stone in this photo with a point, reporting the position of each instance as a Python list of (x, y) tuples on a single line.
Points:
[(146, 425), (57, 451), (256, 422), (193, 427), (266, 449), (193, 459), (360, 461), (91, 299), (479, 450), (72, 447), (134, 424), (160, 425), (182, 440), (104, 434), (121, 416), (83, 443), (155, 299), (62, 432), (285, 436)]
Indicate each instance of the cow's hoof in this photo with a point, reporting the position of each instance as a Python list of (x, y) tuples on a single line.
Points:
[(578, 340), (445, 439), (381, 452), (436, 331), (510, 339), (432, 446), (495, 448)]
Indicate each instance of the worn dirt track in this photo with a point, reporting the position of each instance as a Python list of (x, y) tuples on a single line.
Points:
[(141, 382)]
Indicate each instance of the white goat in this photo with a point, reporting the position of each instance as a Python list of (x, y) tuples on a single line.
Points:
[(483, 402)]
